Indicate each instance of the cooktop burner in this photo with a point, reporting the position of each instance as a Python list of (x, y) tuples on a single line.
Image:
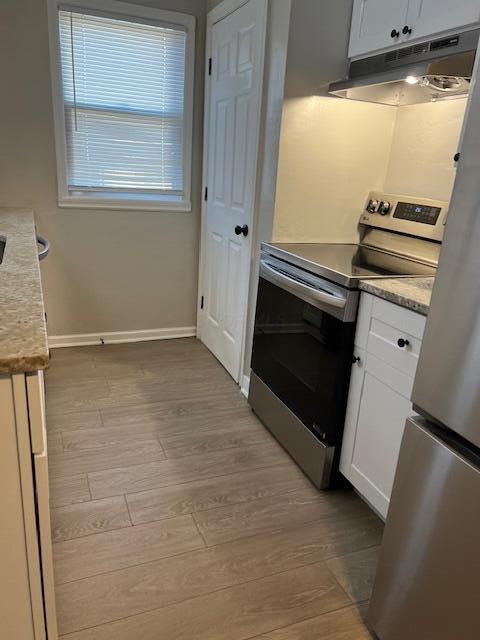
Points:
[(347, 263)]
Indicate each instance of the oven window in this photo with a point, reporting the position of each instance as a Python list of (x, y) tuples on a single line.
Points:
[(303, 355)]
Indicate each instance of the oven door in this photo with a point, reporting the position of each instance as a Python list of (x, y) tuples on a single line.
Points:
[(303, 345)]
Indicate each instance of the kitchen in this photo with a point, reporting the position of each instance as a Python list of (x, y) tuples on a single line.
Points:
[(174, 508)]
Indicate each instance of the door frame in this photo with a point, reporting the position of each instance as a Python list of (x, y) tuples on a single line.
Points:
[(219, 12)]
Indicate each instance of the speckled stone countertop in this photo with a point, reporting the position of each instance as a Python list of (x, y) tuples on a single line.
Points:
[(23, 331), (412, 293)]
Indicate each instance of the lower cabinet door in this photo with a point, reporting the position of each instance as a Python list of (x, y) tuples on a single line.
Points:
[(383, 408), (43, 509)]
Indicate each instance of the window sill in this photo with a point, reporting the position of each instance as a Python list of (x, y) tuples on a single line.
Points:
[(132, 204)]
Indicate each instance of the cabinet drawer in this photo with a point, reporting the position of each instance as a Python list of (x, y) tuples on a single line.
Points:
[(399, 317), (389, 324), (383, 343)]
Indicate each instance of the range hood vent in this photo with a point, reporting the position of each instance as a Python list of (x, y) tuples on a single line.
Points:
[(424, 72)]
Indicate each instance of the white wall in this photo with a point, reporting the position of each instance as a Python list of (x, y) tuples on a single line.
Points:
[(329, 160), (107, 270), (333, 152), (424, 141)]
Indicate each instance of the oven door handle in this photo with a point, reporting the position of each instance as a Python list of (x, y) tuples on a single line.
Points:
[(292, 285)]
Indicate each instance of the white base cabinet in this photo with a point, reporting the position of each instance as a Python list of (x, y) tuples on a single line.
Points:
[(379, 397), (384, 24), (27, 602)]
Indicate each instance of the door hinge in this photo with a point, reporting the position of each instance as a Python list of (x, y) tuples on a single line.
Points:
[(206, 194), (209, 66), (201, 303)]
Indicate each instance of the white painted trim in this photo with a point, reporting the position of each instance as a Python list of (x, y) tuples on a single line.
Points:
[(245, 386), (132, 204), (65, 198), (116, 337), (224, 9), (219, 12)]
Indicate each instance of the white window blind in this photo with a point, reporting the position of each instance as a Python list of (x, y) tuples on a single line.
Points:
[(123, 85)]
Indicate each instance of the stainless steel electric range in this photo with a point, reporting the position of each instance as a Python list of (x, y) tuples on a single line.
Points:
[(305, 323)]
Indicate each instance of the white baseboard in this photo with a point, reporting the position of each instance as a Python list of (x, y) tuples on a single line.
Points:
[(116, 337), (245, 386)]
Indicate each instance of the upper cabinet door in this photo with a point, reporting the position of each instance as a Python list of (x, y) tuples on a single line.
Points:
[(429, 17), (375, 24)]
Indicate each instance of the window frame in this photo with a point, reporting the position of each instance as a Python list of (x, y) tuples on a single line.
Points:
[(97, 199)]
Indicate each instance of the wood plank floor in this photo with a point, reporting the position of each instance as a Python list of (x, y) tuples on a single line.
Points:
[(176, 515)]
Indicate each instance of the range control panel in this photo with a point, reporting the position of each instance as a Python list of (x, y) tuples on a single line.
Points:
[(417, 213), (413, 216)]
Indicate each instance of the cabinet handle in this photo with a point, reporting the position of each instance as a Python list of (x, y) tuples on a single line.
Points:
[(406, 30), (394, 33), (403, 343), (356, 359)]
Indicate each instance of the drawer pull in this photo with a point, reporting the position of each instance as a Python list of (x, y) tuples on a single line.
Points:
[(356, 359), (403, 343)]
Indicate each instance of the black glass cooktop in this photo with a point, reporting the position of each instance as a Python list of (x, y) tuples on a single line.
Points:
[(347, 263)]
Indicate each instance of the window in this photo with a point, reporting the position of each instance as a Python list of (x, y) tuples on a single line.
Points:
[(122, 78)]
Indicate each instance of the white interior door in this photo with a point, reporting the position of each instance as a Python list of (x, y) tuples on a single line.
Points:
[(237, 51)]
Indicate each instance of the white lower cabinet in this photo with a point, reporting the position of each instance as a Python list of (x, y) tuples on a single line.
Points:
[(379, 397), (27, 597)]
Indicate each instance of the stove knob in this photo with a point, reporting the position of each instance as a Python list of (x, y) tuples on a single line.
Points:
[(383, 208), (372, 206)]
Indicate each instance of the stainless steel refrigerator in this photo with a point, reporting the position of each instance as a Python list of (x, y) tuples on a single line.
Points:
[(428, 582)]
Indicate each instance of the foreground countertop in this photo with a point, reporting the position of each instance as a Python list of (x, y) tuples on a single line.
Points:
[(412, 293), (23, 331)]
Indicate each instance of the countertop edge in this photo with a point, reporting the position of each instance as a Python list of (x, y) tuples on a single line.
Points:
[(418, 300), (23, 331)]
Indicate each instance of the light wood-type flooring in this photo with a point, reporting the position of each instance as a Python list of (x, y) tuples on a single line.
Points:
[(176, 515)]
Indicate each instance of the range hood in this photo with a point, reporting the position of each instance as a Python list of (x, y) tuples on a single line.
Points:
[(423, 72)]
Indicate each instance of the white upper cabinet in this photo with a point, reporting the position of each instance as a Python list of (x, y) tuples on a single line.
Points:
[(427, 17), (375, 24), (381, 24)]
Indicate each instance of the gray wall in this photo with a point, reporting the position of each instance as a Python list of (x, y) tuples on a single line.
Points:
[(107, 270), (317, 46)]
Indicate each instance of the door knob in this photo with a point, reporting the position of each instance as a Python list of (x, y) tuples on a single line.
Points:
[(241, 229)]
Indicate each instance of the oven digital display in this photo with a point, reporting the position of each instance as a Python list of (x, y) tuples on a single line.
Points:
[(417, 213)]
